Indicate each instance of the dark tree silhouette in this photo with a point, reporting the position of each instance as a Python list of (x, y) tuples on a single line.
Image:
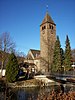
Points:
[(68, 56), (12, 68), (57, 56)]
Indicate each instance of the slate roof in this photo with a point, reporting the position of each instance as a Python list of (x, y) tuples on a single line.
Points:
[(48, 19), (35, 53)]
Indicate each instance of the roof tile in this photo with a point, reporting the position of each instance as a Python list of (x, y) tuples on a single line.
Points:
[(48, 19)]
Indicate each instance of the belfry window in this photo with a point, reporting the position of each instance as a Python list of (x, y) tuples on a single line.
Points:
[(52, 27), (44, 27)]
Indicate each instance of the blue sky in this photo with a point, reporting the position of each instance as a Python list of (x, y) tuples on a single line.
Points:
[(22, 19)]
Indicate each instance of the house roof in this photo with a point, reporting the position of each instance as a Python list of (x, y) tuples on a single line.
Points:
[(48, 19), (34, 54)]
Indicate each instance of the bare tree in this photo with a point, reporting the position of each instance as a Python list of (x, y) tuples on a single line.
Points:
[(20, 56), (6, 46), (0, 43)]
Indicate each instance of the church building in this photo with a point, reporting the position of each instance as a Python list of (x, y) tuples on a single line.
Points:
[(43, 58), (47, 42)]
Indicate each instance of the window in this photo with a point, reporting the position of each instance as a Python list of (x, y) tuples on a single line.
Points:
[(52, 27), (44, 27), (43, 32)]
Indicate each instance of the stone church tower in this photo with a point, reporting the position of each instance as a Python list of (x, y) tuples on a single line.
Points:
[(47, 42)]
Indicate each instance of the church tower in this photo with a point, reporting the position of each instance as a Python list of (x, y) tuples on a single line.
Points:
[(47, 42)]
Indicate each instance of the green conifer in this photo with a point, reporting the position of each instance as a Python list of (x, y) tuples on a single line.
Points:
[(68, 56), (57, 56), (62, 57), (12, 68)]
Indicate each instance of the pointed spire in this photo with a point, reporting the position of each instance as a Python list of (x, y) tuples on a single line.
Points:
[(48, 19)]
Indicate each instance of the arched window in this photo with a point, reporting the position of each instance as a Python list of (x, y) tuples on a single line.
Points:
[(44, 27), (52, 27)]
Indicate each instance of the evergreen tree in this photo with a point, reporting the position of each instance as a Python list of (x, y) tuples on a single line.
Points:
[(62, 60), (12, 68), (62, 57), (57, 57), (68, 56)]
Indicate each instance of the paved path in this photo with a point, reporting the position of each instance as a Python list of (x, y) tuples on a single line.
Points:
[(44, 79)]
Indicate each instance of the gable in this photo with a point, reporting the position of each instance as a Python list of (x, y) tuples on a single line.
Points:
[(33, 54)]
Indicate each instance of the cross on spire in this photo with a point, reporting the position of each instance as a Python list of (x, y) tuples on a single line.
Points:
[(46, 8)]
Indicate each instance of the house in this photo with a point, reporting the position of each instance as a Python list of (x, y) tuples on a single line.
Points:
[(33, 58), (73, 64), (2, 70)]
